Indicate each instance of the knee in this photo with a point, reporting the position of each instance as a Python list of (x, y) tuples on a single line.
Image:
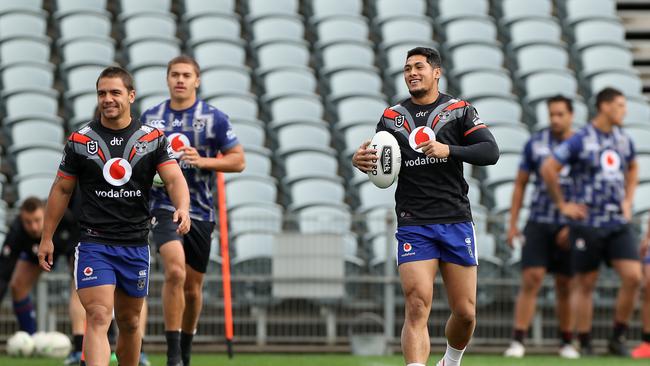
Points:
[(532, 281), (175, 274), (98, 315), (631, 279), (417, 308), (128, 323), (192, 293), (563, 289), (465, 313)]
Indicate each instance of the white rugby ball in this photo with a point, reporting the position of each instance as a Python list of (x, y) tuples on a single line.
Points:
[(157, 181), (20, 344), (389, 159), (58, 346)]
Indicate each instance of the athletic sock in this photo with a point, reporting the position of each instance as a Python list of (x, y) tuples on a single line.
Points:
[(173, 346), (519, 335), (186, 347), (645, 336), (619, 329), (566, 337), (24, 310), (415, 364), (453, 356), (78, 342), (585, 339)]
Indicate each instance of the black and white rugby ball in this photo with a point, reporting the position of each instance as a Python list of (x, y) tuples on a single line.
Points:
[(389, 159)]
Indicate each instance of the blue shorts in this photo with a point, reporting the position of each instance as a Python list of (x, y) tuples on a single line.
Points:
[(125, 267), (452, 243)]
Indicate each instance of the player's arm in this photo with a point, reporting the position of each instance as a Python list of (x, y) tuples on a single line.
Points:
[(365, 159), (231, 161), (517, 201), (57, 203), (550, 172), (631, 182), (179, 193)]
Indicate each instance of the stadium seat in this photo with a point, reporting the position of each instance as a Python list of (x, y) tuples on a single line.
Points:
[(82, 79), (258, 161), (627, 82), (225, 80), (129, 8), (81, 108), (150, 81), (30, 104), (643, 161), (506, 170), (387, 9), (321, 9), (354, 135), (26, 75), (9, 5), (316, 162), (194, 8), (546, 84), (455, 9), (351, 82), (219, 53), (514, 10), (149, 26), (496, 111), (84, 24), (511, 139), (39, 160), (35, 133), (151, 53), (302, 135), (240, 106), (296, 108), (343, 55), (579, 10), (331, 219), (341, 29), (640, 135), (637, 112), (211, 26), (408, 28), (277, 28), (261, 8), (371, 197), (471, 57), (65, 7), (597, 32), (503, 196), (37, 186), (22, 23), (258, 217), (282, 54), (250, 133), (482, 84), (580, 114), (469, 30), (605, 58), (316, 191), (642, 199), (25, 49), (539, 58), (534, 31), (356, 110), (249, 189), (290, 80), (87, 50)]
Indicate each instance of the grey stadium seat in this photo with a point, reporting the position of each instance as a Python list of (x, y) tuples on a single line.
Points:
[(327, 8), (20, 49), (27, 76), (454, 9), (250, 133), (496, 111), (470, 57), (64, 7), (84, 24), (39, 160), (372, 197), (341, 28), (8, 5), (513, 10), (150, 80), (87, 50), (354, 135), (249, 189), (258, 161), (303, 135), (324, 219), (297, 107), (313, 163), (546, 84), (350, 82), (316, 191), (505, 171), (640, 135), (604, 58), (598, 31), (277, 28), (225, 80), (477, 84), (355, 110), (80, 79), (289, 80), (22, 23), (38, 186), (642, 198), (643, 161), (627, 82), (397, 30), (214, 27), (82, 107), (470, 30), (347, 54), (31, 103), (242, 106), (579, 10), (511, 139), (194, 8), (387, 9), (541, 57), (535, 30), (219, 53), (151, 53), (260, 8), (281, 54), (129, 8), (258, 217), (148, 26), (638, 111), (35, 133)]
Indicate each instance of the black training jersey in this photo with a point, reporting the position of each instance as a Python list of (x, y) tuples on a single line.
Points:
[(114, 170), (431, 190)]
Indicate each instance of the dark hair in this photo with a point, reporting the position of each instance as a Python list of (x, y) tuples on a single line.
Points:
[(432, 55), (184, 59), (31, 204), (117, 72), (560, 99), (607, 95)]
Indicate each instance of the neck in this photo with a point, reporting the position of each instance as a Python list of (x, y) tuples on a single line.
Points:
[(603, 123), (562, 135), (428, 98), (180, 104), (116, 123)]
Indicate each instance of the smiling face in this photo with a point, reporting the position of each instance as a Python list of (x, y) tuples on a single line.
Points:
[(182, 81), (113, 99), (420, 76)]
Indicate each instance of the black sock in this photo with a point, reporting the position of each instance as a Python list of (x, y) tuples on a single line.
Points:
[(566, 337), (585, 339), (78, 341), (186, 347), (173, 346), (518, 335), (619, 329), (645, 336)]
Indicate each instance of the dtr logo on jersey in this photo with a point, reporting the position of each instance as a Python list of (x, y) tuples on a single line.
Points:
[(117, 171), (420, 135), (178, 141)]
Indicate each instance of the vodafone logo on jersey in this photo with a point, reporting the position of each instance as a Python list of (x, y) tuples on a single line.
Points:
[(420, 135), (117, 171), (88, 271), (610, 163), (178, 141), (407, 247)]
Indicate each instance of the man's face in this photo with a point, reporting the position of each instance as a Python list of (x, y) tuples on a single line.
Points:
[(420, 76), (113, 100), (33, 222), (560, 117), (615, 110), (182, 81)]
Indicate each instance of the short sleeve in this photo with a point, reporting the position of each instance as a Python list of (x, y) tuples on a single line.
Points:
[(527, 163), (225, 137), (568, 151), (70, 165), (164, 152), (471, 121)]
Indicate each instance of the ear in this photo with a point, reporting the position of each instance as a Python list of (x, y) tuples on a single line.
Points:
[(132, 96), (198, 82), (437, 72)]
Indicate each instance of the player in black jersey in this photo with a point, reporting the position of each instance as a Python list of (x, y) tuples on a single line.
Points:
[(437, 134), (113, 159)]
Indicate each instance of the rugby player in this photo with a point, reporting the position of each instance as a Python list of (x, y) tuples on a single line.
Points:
[(643, 349), (435, 229)]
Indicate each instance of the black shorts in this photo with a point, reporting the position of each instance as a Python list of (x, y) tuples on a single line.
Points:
[(196, 243), (591, 245), (541, 250)]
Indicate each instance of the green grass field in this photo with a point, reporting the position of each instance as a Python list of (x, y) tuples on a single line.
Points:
[(344, 360)]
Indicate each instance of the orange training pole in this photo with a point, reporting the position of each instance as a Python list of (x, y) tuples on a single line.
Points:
[(225, 264)]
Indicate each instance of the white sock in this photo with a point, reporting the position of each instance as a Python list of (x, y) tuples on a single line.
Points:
[(453, 356), (416, 364)]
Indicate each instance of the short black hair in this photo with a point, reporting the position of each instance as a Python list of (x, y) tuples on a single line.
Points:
[(560, 99), (432, 55), (31, 204), (607, 95), (117, 72)]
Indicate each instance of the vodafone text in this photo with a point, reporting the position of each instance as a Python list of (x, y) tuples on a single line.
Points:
[(424, 161), (122, 193)]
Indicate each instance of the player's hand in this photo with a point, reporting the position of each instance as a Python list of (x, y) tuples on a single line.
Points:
[(644, 246), (627, 209), (434, 149), (192, 157), (46, 255), (562, 238), (182, 218), (513, 233), (574, 211), (365, 159)]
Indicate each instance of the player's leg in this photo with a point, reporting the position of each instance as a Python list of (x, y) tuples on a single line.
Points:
[(98, 303), (77, 320), (460, 283), (417, 284), (643, 350), (144, 359), (564, 313), (196, 245), (127, 316), (172, 254), (22, 281), (585, 286)]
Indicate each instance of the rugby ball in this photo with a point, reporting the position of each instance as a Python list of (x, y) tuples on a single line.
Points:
[(157, 181), (58, 345), (41, 343), (20, 344), (389, 159)]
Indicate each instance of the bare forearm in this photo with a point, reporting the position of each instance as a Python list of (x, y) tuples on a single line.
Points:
[(551, 178), (631, 181), (179, 192), (231, 163), (57, 203)]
